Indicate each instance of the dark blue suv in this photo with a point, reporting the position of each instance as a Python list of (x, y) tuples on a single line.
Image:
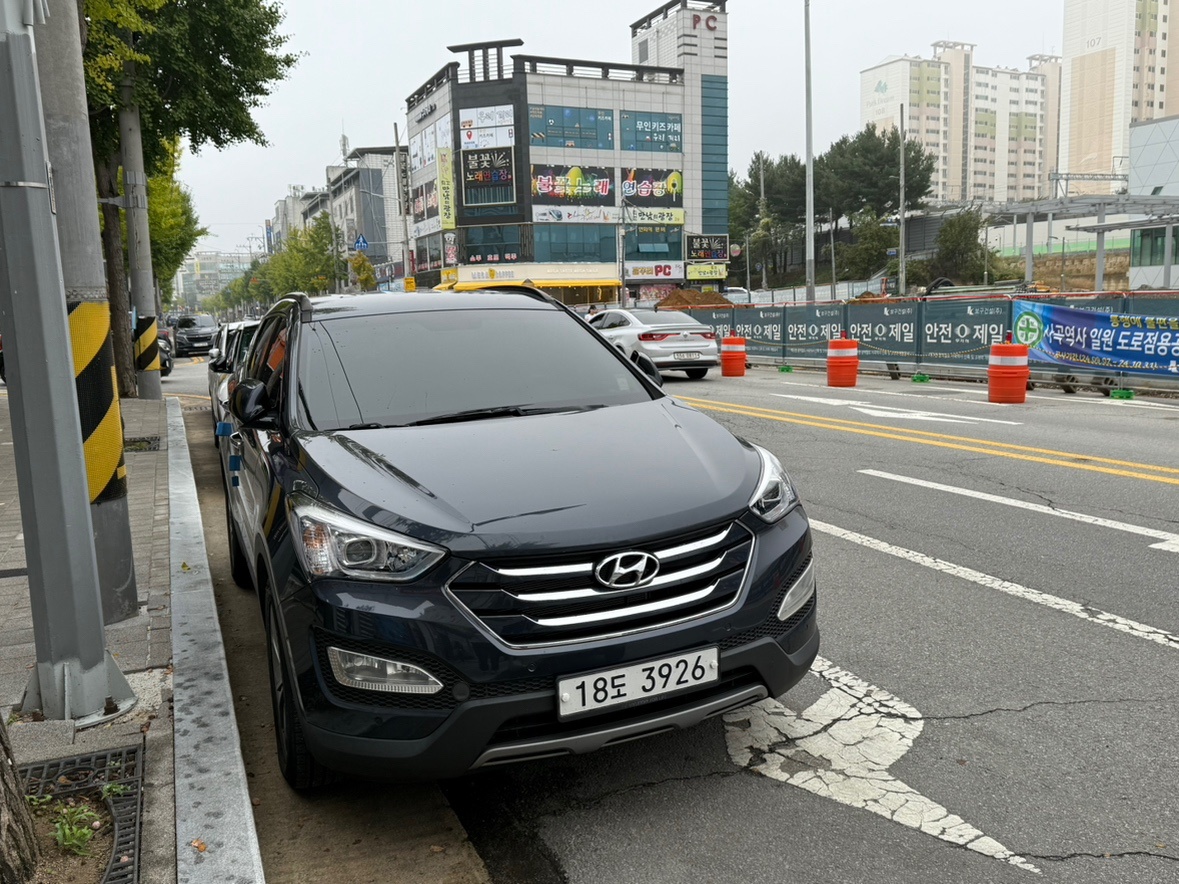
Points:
[(480, 535)]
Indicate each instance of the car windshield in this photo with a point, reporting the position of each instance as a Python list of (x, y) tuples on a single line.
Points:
[(199, 321), (661, 317), (403, 368)]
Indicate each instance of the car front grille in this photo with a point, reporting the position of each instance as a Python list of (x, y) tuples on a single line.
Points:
[(539, 602)]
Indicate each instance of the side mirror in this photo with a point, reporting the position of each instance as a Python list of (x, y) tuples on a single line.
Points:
[(250, 404), (648, 367), (214, 355)]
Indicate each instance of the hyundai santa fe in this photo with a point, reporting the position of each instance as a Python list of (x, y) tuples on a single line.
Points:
[(480, 534)]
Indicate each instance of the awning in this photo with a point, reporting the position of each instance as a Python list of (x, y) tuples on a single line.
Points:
[(538, 283)]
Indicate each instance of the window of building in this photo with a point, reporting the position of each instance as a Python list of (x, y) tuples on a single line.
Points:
[(576, 242), (491, 244), (643, 52), (654, 243), (1147, 247)]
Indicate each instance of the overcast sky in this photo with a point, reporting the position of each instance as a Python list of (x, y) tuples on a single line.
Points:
[(361, 58)]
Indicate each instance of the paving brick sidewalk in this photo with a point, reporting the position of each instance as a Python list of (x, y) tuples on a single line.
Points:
[(142, 645)]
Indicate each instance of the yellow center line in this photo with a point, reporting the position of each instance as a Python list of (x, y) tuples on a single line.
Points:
[(189, 396), (940, 440)]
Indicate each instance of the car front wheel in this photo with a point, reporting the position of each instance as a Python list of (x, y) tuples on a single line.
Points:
[(696, 373), (295, 761)]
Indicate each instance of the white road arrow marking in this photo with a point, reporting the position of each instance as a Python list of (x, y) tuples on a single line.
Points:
[(902, 413), (841, 748), (1168, 542)]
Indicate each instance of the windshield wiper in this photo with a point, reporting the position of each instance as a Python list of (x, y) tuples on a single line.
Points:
[(477, 414)]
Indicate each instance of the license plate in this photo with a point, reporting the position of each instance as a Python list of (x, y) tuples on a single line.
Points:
[(593, 691), (687, 355)]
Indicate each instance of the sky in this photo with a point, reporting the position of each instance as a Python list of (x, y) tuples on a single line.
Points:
[(361, 58)]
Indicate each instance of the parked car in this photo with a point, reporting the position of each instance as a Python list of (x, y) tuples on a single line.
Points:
[(194, 333), (166, 360), (674, 341), (448, 581), (229, 346)]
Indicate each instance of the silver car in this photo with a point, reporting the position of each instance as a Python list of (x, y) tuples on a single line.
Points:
[(674, 341), (229, 347)]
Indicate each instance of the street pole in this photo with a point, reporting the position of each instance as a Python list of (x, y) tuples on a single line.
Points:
[(763, 216), (810, 163), (1062, 264), (831, 213), (75, 676), (901, 288), (748, 258), (67, 129), (143, 293), (402, 201)]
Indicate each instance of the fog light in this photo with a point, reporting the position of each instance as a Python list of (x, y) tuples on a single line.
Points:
[(800, 592), (378, 674)]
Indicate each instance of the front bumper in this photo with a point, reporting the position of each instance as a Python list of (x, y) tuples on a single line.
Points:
[(499, 704)]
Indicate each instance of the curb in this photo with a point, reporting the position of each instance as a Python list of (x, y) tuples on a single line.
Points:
[(213, 808)]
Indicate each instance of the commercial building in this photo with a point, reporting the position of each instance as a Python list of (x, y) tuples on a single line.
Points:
[(993, 131), (205, 274), (578, 176), (1116, 73), (1154, 171)]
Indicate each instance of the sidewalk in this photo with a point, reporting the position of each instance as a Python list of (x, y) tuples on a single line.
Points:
[(194, 781)]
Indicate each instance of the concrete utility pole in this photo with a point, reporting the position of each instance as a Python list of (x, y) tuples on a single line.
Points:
[(810, 162), (75, 676), (67, 127), (402, 203), (143, 293), (901, 218)]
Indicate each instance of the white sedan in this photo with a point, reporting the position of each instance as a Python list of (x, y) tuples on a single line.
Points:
[(674, 341)]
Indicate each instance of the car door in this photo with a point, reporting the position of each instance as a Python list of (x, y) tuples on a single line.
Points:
[(613, 325), (250, 494)]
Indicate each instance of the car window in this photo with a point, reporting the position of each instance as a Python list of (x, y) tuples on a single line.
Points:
[(612, 320), (197, 321), (597, 319), (255, 363), (668, 317), (404, 367), (242, 344)]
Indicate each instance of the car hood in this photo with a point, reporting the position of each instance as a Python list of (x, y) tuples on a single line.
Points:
[(536, 483)]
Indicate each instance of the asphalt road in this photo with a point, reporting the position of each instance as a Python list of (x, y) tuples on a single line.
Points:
[(996, 698)]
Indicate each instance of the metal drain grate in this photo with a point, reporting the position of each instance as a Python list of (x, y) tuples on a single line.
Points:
[(63, 777), (141, 443)]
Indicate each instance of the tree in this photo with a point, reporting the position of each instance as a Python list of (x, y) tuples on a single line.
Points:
[(362, 268), (196, 70), (173, 221), (869, 252), (863, 172), (960, 254), (18, 844)]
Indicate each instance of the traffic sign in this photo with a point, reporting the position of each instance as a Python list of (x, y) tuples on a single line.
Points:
[(892, 253), (361, 243)]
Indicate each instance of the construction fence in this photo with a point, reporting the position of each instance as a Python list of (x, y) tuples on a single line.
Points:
[(953, 334)]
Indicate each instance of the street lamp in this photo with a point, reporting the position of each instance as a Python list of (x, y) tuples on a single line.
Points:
[(1061, 238)]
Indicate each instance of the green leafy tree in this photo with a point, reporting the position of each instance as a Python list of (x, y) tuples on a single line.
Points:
[(863, 172), (172, 220), (959, 254), (195, 70), (869, 253)]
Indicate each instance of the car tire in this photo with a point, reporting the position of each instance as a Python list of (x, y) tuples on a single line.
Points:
[(238, 566), (299, 768), (696, 374)]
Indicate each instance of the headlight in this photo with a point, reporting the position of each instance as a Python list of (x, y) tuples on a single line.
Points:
[(333, 544), (775, 495)]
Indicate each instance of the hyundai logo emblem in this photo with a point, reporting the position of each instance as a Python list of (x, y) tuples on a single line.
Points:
[(628, 570)]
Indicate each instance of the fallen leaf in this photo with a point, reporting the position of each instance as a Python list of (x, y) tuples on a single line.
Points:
[(184, 566), (436, 849), (256, 802), (200, 845), (124, 859)]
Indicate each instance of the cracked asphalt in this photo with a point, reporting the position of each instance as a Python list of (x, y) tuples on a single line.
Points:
[(1051, 736)]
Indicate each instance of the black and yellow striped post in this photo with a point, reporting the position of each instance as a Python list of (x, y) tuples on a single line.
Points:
[(102, 445), (146, 348)]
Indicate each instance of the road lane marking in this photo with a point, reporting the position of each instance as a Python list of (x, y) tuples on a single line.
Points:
[(1084, 612), (1085, 462), (841, 747), (890, 411), (1169, 542)]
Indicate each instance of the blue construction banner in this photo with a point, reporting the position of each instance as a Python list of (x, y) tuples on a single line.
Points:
[(1087, 339)]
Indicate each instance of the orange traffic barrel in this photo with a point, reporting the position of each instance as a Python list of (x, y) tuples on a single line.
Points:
[(733, 357), (843, 362), (1008, 373)]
